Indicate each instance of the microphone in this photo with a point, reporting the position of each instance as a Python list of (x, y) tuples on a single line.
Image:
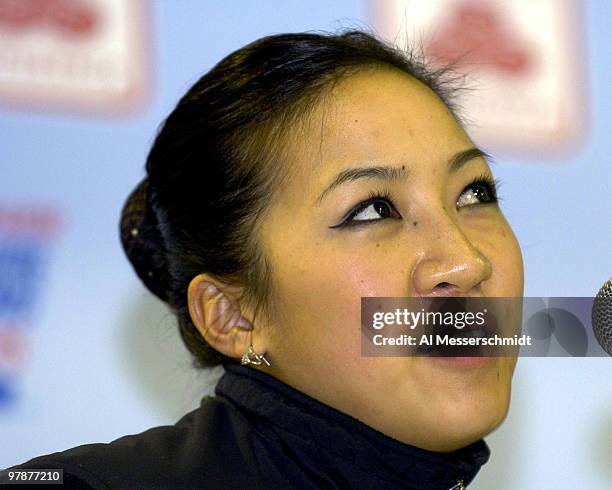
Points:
[(601, 316)]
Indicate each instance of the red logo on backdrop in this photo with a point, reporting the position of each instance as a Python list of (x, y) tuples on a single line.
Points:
[(521, 57), (74, 54), (67, 17), (25, 237), (476, 35)]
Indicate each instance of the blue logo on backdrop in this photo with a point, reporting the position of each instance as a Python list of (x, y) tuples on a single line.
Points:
[(25, 237)]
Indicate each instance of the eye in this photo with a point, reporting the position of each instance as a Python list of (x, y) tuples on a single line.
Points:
[(374, 211), (377, 207), (481, 191)]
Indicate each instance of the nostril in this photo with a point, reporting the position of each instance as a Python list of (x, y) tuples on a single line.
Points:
[(446, 289)]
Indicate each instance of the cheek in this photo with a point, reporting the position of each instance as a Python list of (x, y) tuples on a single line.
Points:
[(320, 297), (329, 285), (510, 262), (369, 275), (495, 240)]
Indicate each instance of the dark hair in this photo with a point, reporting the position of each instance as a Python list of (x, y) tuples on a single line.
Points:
[(215, 163)]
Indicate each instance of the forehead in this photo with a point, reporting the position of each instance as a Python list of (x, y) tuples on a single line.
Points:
[(377, 116)]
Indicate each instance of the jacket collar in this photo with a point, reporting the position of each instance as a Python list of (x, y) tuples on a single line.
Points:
[(344, 443)]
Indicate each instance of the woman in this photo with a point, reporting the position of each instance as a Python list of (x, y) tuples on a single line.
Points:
[(302, 173)]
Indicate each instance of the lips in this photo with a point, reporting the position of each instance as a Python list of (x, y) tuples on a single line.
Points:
[(458, 338)]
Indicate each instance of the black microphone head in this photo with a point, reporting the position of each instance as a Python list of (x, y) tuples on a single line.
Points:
[(601, 316)]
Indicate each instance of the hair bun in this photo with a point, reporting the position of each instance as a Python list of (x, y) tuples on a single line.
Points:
[(143, 243)]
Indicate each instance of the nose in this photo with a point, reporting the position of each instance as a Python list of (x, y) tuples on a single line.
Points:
[(451, 264)]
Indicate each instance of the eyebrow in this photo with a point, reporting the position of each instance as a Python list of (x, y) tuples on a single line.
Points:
[(396, 173), (459, 159), (352, 174)]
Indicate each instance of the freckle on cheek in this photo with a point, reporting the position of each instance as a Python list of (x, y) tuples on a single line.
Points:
[(414, 223), (378, 245)]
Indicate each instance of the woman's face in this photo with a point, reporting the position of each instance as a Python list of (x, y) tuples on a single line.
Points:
[(414, 240)]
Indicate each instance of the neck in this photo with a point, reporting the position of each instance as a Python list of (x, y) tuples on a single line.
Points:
[(340, 444)]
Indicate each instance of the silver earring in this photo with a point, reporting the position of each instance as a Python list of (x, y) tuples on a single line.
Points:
[(253, 359)]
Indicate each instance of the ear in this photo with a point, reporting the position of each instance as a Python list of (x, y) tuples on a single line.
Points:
[(215, 311)]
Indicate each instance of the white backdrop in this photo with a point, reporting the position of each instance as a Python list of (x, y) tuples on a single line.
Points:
[(103, 356)]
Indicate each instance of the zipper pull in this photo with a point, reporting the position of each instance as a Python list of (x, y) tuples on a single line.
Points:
[(458, 486)]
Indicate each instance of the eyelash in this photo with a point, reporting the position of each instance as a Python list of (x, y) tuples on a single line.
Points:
[(484, 180), (491, 184), (373, 196)]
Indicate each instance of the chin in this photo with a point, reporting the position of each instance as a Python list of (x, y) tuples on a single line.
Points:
[(466, 421)]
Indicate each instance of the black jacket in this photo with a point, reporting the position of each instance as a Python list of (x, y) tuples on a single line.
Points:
[(259, 433)]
